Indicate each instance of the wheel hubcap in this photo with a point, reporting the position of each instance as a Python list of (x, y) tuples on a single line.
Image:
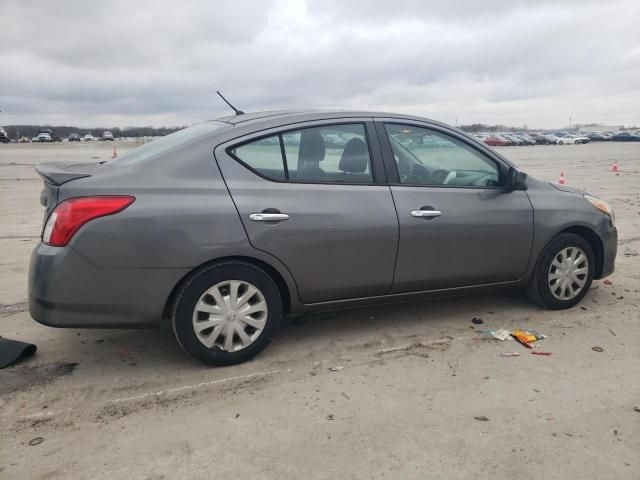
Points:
[(231, 315), (568, 273)]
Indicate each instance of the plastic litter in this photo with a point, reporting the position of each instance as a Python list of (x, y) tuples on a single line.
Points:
[(500, 334), (510, 354), (597, 349), (538, 352), (527, 337), (477, 321), (336, 369)]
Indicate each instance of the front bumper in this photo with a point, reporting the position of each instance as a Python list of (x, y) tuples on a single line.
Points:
[(66, 290), (609, 235)]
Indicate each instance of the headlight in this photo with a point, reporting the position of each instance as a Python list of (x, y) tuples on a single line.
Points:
[(601, 205)]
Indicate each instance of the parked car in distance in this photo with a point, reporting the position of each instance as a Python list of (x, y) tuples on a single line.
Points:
[(597, 136), (514, 139), (495, 141), (4, 138), (87, 138), (107, 136), (44, 137), (74, 137), (626, 137), (527, 139), (221, 229), (580, 138), (576, 139), (541, 139), (504, 138)]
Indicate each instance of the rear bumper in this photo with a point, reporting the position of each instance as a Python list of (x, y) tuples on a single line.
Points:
[(609, 235), (65, 290)]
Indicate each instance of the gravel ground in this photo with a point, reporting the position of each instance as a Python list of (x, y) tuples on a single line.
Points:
[(417, 393)]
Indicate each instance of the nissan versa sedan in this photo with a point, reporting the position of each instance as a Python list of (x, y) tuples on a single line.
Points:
[(223, 228)]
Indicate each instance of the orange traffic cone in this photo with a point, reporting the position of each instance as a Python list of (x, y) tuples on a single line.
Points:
[(561, 181), (115, 153), (614, 167)]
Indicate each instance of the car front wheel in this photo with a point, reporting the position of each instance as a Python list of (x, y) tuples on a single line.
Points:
[(563, 273), (227, 313)]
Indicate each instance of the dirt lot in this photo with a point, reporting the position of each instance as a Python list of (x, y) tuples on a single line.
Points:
[(410, 402)]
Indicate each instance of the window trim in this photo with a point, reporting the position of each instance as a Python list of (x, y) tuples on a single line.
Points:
[(392, 168), (376, 162)]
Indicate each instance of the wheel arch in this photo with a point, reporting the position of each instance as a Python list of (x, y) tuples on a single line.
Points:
[(276, 276), (594, 242)]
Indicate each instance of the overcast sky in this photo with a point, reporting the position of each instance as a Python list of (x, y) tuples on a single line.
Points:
[(121, 62)]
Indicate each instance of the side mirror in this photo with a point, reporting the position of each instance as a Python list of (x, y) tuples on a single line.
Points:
[(516, 180)]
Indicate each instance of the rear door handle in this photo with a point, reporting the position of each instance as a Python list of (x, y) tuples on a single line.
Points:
[(426, 213), (268, 217)]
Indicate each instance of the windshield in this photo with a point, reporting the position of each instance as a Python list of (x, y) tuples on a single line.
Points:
[(172, 140)]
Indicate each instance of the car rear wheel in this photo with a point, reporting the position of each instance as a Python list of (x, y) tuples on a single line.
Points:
[(227, 313), (563, 273)]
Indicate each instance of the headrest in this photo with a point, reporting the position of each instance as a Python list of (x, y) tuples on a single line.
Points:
[(311, 147), (355, 157)]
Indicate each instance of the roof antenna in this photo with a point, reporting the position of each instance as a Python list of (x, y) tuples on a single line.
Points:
[(238, 112)]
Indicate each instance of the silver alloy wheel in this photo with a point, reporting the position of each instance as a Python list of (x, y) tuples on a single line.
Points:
[(230, 315), (568, 273)]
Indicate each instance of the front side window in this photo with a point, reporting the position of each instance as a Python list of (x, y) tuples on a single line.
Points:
[(427, 157), (324, 154)]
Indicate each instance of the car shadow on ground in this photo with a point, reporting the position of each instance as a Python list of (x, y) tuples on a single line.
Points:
[(156, 349)]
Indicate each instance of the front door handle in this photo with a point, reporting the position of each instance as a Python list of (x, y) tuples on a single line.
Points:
[(268, 217), (426, 213)]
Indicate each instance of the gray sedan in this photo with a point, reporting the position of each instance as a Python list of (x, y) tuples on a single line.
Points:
[(223, 228)]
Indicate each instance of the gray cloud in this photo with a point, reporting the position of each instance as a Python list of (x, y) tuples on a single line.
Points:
[(121, 63)]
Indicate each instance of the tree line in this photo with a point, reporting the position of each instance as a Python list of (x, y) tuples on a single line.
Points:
[(29, 131)]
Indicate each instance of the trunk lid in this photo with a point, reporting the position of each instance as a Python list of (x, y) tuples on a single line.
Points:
[(56, 174)]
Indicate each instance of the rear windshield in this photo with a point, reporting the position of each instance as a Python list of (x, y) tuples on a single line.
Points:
[(167, 142)]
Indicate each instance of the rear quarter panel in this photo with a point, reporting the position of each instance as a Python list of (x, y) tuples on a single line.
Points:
[(182, 214)]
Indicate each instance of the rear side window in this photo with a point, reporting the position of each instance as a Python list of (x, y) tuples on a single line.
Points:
[(325, 154), (264, 156)]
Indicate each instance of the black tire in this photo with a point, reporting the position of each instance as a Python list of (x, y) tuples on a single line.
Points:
[(538, 289), (202, 280)]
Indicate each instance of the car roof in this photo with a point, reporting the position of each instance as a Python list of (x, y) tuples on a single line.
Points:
[(278, 117)]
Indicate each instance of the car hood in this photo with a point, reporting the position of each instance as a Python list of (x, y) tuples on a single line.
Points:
[(566, 188)]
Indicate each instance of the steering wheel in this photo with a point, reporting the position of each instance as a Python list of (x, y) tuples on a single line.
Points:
[(419, 174), (450, 177), (439, 176)]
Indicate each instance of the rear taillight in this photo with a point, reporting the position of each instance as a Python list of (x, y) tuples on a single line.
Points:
[(73, 213)]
